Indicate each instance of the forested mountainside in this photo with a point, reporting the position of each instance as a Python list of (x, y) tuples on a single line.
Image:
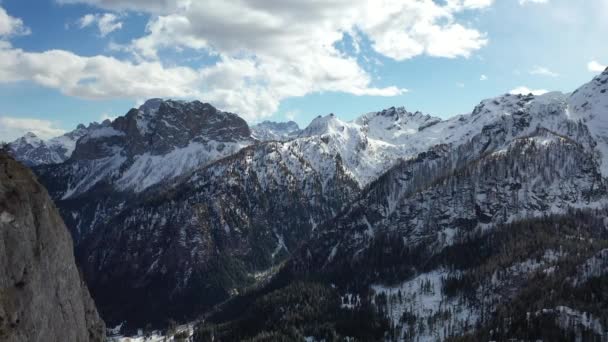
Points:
[(177, 206), (42, 296), (534, 279), (215, 233)]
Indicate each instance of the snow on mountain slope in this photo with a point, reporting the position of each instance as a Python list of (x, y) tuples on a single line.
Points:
[(590, 105), (366, 147), (155, 149), (513, 157), (155, 143), (182, 190), (277, 131), (33, 151), (148, 169), (395, 125), (212, 230), (374, 142), (422, 297)]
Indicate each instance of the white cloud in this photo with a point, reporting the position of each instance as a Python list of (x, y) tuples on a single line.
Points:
[(525, 2), (397, 29), (483, 78), (292, 114), (10, 26), (460, 85), (268, 50), (595, 66), (542, 71), (12, 128), (96, 77), (277, 49), (87, 20), (472, 4), (230, 84), (106, 116), (525, 91), (151, 6), (106, 23)]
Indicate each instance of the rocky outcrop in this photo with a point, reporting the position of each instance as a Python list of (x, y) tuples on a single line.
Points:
[(42, 297)]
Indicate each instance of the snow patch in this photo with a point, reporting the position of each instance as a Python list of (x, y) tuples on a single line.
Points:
[(423, 298)]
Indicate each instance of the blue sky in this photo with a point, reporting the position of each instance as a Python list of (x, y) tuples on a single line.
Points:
[(64, 62)]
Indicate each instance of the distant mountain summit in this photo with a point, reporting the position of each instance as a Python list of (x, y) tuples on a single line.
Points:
[(156, 142), (32, 151), (277, 131)]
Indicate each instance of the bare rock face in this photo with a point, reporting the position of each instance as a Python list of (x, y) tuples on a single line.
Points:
[(42, 297)]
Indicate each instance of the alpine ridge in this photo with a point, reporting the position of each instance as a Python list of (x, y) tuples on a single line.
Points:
[(33, 151), (175, 197), (280, 131)]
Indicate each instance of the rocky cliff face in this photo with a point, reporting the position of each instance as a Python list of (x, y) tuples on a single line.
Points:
[(42, 297)]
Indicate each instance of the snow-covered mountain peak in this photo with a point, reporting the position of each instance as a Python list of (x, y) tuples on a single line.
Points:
[(171, 119), (157, 142), (393, 125), (503, 105), (396, 113), (589, 105), (328, 124), (30, 135), (151, 105), (592, 98), (279, 131), (32, 150), (31, 139), (146, 112), (284, 126), (525, 112)]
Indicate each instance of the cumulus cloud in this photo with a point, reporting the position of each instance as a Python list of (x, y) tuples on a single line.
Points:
[(96, 77), (595, 66), (271, 50), (542, 71), (267, 50), (525, 2), (525, 91), (10, 26), (12, 128), (470, 4), (151, 6), (483, 78), (106, 23), (397, 29)]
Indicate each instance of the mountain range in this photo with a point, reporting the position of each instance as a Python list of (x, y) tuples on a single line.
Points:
[(401, 217)]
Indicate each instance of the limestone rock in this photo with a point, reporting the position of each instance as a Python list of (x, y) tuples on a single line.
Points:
[(42, 297)]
